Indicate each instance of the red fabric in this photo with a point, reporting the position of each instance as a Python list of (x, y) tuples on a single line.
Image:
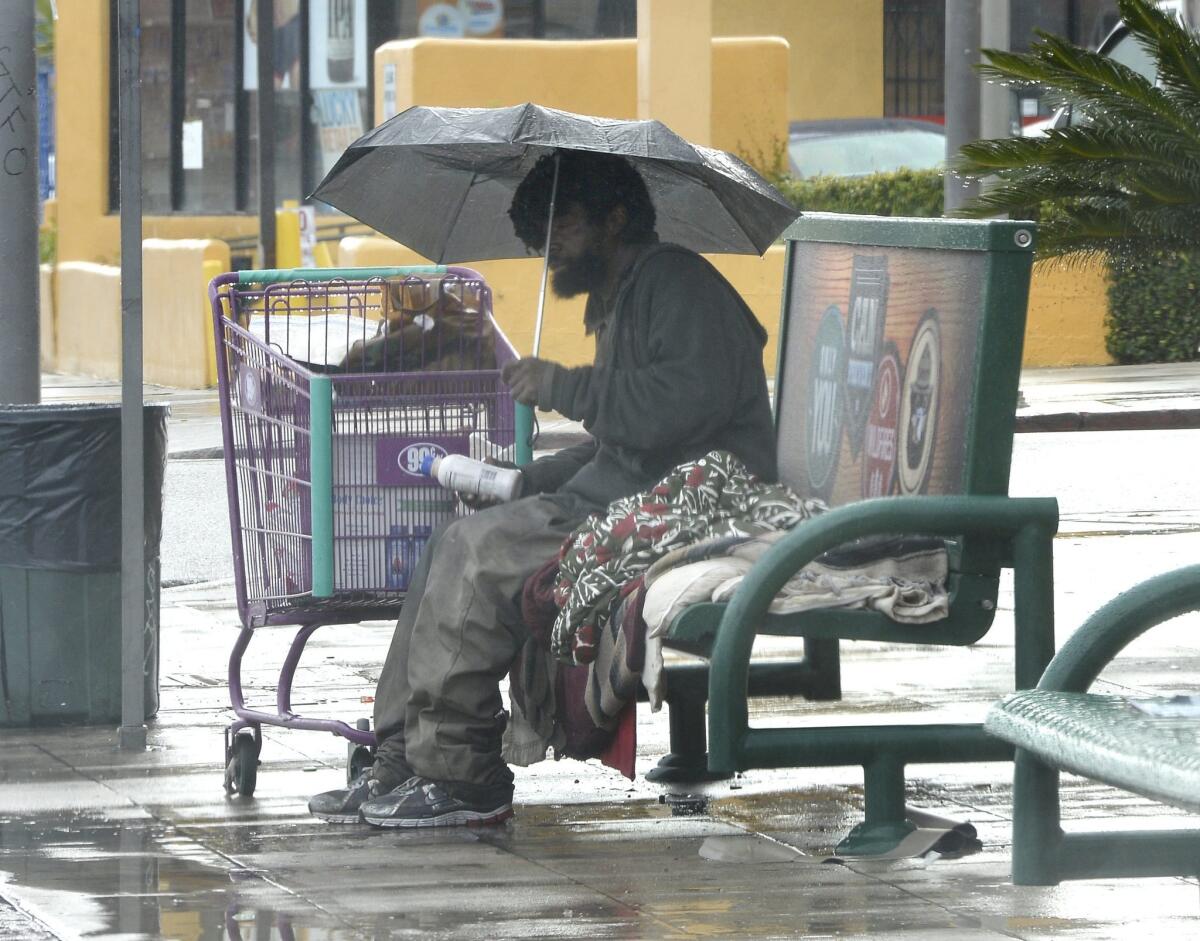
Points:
[(538, 607), (615, 747), (621, 752)]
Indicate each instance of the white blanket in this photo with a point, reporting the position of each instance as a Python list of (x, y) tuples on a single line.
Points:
[(903, 579)]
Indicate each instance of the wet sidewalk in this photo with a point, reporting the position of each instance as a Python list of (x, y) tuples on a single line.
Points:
[(98, 843)]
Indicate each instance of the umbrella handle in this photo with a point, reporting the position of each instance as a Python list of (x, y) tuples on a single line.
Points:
[(541, 308)]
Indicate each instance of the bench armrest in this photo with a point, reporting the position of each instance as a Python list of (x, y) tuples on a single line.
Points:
[(1028, 523), (1107, 632)]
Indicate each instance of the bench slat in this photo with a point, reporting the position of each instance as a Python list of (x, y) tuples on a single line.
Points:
[(1107, 740)]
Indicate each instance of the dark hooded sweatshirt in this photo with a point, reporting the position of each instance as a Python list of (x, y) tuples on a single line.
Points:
[(677, 373)]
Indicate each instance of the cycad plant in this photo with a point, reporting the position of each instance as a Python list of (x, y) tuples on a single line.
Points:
[(1125, 179)]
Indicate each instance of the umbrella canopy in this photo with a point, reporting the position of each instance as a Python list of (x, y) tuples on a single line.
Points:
[(440, 180)]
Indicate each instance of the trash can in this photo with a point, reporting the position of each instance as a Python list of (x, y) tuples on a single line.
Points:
[(60, 561)]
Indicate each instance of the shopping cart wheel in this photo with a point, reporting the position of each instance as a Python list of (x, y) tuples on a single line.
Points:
[(359, 757), (241, 763)]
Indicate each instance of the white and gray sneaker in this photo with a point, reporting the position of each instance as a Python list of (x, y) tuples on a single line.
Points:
[(343, 805), (420, 802)]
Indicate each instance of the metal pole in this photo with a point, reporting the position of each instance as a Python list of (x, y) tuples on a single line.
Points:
[(541, 309), (265, 40), (132, 734), (962, 93), (20, 377), (996, 104)]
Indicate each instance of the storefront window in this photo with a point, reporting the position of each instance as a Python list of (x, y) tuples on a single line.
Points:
[(200, 84), (200, 97), (209, 121), (156, 107)]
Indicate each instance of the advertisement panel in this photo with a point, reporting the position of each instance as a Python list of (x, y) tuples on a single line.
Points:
[(877, 370)]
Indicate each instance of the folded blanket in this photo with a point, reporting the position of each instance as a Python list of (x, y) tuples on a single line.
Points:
[(711, 497), (902, 577)]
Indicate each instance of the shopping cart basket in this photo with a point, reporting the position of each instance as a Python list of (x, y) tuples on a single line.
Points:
[(334, 384)]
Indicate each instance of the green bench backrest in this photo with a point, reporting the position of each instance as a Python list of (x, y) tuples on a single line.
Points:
[(899, 355)]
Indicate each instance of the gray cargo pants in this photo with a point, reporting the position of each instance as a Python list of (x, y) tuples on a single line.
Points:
[(438, 709)]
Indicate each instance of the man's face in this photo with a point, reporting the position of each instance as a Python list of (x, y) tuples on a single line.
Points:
[(577, 257)]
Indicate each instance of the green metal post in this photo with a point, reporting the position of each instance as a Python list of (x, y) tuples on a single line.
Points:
[(1033, 607), (883, 786), (524, 434), (1037, 834), (320, 405), (884, 824)]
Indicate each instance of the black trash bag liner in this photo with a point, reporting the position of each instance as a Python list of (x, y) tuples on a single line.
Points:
[(60, 485)]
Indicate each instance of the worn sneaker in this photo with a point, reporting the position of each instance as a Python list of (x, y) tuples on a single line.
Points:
[(342, 806), (420, 802)]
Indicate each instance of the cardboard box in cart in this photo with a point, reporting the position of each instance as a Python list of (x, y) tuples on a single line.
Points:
[(383, 512), (384, 508)]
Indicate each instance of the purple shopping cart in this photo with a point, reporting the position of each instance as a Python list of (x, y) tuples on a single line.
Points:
[(334, 385)]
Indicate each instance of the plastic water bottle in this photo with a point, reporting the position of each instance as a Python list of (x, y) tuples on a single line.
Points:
[(462, 474)]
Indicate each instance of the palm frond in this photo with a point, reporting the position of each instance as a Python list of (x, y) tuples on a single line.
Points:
[(1127, 177), (1175, 47)]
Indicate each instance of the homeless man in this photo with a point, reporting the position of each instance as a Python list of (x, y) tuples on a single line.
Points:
[(677, 373)]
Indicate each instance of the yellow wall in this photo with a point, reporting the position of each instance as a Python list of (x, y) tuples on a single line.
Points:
[(514, 284), (81, 127), (749, 116), (88, 319), (176, 322), (675, 65), (593, 77), (46, 341), (175, 310), (1067, 304), (836, 51)]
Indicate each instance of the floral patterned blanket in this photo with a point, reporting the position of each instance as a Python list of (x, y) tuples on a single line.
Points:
[(708, 498)]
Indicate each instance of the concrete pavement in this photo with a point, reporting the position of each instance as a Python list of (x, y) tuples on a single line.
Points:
[(99, 843)]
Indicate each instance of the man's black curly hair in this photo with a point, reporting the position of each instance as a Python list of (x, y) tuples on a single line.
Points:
[(596, 182)]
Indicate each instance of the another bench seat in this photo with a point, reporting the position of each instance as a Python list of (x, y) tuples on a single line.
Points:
[(1061, 726), (1106, 739)]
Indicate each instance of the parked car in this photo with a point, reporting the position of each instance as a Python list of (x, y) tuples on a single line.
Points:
[(1120, 46), (858, 146)]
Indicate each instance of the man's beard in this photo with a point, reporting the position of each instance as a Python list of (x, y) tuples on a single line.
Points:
[(584, 274)]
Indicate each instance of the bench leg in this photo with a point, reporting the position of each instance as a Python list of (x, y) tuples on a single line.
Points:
[(688, 758), (885, 824), (823, 658), (1037, 830)]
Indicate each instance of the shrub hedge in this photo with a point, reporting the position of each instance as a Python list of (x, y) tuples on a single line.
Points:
[(1154, 309), (902, 193)]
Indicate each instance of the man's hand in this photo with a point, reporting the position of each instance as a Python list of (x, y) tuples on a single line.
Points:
[(473, 501), (524, 378)]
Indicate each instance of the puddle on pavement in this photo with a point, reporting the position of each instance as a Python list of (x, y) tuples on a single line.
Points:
[(83, 881), (825, 813)]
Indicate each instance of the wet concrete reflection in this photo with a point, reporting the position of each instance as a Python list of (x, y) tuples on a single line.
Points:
[(95, 881)]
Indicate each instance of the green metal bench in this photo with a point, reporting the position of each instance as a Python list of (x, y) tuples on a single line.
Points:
[(899, 358), (1060, 726)]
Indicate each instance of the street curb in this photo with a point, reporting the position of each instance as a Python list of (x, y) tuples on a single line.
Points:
[(1171, 419), (1168, 419)]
